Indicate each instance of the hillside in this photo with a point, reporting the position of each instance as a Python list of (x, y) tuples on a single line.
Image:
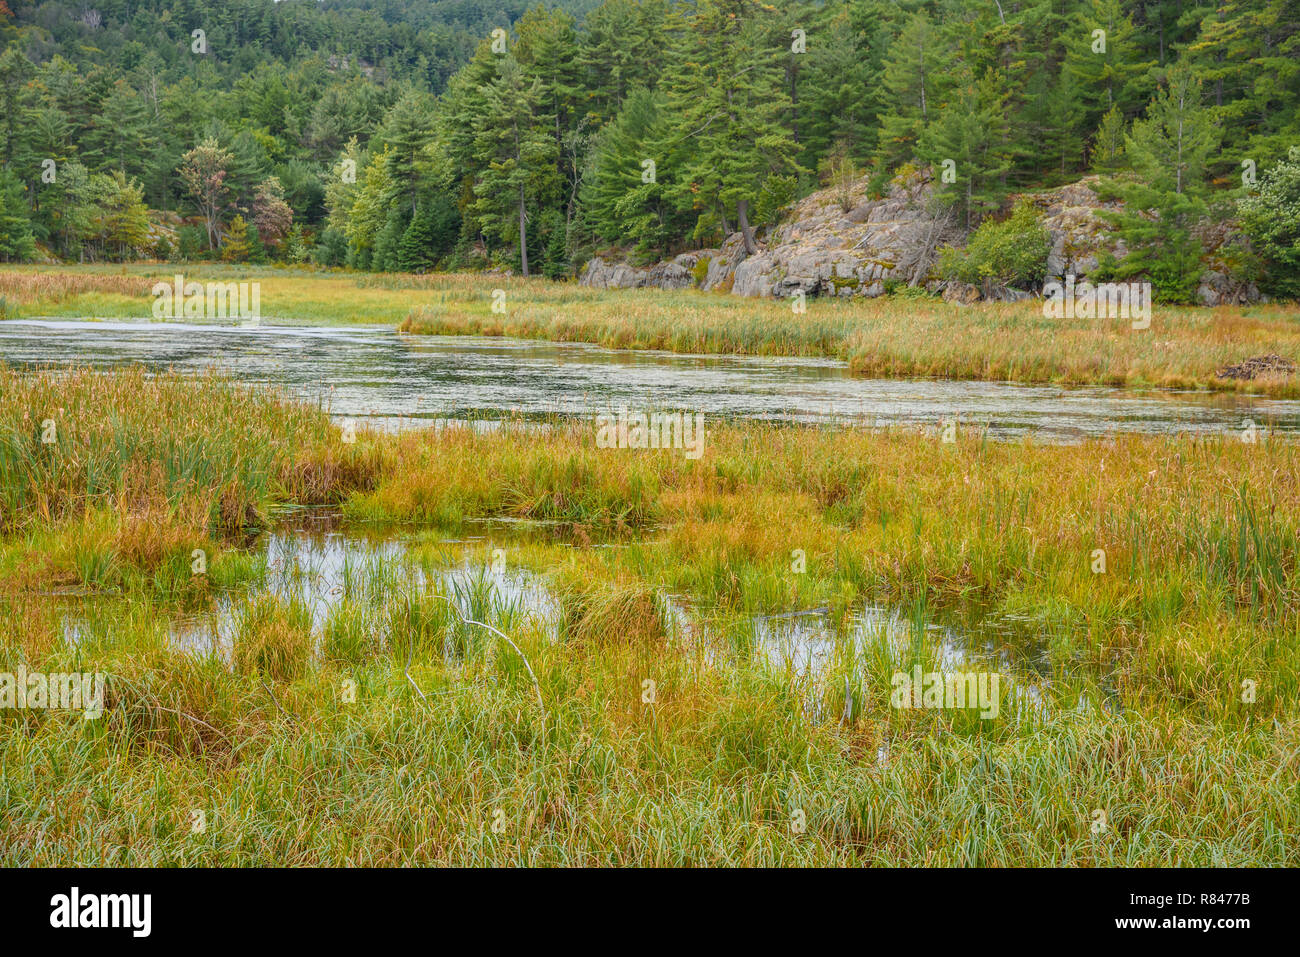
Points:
[(844, 241), (389, 135)]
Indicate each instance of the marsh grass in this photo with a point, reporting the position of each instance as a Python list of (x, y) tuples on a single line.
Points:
[(1131, 701), (889, 336), (1184, 348)]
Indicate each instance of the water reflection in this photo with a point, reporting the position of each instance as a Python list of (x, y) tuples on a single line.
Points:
[(397, 381)]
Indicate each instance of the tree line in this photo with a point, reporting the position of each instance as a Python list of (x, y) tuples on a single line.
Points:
[(414, 136)]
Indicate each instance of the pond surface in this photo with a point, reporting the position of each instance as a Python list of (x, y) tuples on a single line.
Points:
[(394, 380), (328, 567)]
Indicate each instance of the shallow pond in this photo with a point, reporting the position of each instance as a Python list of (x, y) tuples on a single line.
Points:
[(396, 381), (324, 566)]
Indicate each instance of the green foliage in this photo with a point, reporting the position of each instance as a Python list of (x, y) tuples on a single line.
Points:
[(618, 204), (777, 193), (729, 104), (16, 242), (1170, 151), (971, 137), (430, 236), (1009, 253), (1271, 218), (286, 118), (236, 247)]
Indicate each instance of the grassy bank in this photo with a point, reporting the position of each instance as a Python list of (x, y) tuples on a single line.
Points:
[(399, 730), (907, 336)]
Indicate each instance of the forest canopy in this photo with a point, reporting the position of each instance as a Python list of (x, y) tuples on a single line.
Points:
[(403, 135)]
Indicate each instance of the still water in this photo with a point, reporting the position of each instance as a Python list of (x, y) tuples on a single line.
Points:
[(395, 380)]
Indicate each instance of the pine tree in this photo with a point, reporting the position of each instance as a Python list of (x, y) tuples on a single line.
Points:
[(914, 60), (235, 247), (840, 91), (1248, 57), (416, 252), (1108, 144), (15, 70), (1105, 61), (622, 202), (1169, 152), (968, 138), (407, 130), (730, 102), (620, 51), (516, 153), (547, 52), (16, 242)]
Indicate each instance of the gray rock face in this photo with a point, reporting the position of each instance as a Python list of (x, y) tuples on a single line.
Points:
[(599, 274), (846, 243), (1220, 289), (821, 249)]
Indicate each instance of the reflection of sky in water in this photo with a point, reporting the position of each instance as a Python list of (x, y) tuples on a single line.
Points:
[(322, 570), (318, 564), (812, 650), (396, 380)]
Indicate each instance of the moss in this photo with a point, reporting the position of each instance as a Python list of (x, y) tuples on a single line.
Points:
[(843, 282), (701, 269)]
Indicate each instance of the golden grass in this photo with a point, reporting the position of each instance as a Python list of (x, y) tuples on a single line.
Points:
[(1201, 592), (905, 336)]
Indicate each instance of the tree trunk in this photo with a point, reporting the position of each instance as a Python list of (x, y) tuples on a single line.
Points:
[(523, 232), (746, 230)]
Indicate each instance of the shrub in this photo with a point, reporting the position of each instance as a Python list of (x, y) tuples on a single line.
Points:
[(777, 193), (1271, 219), (1010, 253)]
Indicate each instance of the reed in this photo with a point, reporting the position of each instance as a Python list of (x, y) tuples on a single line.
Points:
[(381, 728), (889, 336)]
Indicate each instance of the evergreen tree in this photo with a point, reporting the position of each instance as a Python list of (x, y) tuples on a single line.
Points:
[(622, 201), (968, 139), (730, 101), (1169, 152), (1248, 57), (425, 240), (621, 51), (16, 242), (1105, 62), (1108, 145), (407, 130), (914, 61), (235, 247), (516, 154), (840, 93)]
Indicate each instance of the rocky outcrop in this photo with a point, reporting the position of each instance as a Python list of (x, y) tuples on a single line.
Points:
[(843, 242), (832, 243), (1080, 236), (674, 274)]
